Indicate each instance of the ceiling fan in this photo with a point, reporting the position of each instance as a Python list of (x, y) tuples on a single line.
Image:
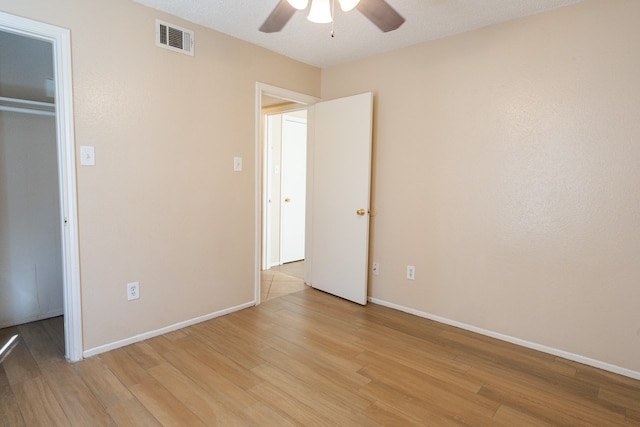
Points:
[(379, 12)]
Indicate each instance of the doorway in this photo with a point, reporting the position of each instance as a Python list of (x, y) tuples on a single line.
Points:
[(285, 168), (31, 285), (281, 119), (59, 86), (337, 192)]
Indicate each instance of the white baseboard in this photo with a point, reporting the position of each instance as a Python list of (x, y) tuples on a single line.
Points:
[(550, 350), (141, 337)]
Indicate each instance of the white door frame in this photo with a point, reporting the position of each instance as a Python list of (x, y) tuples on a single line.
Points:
[(285, 94), (60, 39)]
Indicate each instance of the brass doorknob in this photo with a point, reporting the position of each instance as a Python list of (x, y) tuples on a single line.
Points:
[(287, 200), (361, 212)]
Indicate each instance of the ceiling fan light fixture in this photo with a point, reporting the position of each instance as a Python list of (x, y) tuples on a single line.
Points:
[(320, 12), (299, 4), (347, 5)]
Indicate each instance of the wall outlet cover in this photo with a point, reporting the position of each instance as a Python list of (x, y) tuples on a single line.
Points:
[(411, 272), (133, 291)]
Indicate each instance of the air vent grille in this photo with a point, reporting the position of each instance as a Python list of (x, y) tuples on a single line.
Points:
[(174, 38)]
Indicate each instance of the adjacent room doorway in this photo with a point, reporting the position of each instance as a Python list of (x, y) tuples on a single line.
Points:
[(284, 151)]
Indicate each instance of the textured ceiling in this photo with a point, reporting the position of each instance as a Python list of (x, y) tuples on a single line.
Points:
[(355, 37)]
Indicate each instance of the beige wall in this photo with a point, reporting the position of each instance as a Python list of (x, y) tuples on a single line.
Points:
[(507, 171), (162, 206)]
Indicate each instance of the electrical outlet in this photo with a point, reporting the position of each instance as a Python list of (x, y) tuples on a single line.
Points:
[(411, 272), (133, 290), (376, 269)]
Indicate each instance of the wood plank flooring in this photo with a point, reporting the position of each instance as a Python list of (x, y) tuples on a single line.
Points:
[(282, 280), (307, 359)]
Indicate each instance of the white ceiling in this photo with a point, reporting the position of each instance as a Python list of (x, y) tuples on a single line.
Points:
[(355, 36)]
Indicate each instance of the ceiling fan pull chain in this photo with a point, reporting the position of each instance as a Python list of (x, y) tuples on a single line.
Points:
[(333, 17)]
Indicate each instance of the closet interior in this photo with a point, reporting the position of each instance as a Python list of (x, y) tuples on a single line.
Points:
[(31, 277)]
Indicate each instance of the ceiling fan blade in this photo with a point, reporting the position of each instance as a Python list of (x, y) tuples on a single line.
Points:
[(381, 14), (278, 17)]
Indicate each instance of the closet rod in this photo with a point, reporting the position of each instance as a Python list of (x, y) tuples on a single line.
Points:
[(19, 103)]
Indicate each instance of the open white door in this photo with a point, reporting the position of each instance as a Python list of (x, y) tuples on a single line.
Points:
[(341, 193)]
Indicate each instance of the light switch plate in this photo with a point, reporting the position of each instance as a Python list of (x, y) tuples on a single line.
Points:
[(237, 164), (87, 156)]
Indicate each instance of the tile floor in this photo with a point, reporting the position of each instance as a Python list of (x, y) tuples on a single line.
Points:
[(282, 280)]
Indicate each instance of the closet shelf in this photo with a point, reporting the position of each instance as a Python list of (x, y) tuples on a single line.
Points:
[(26, 106)]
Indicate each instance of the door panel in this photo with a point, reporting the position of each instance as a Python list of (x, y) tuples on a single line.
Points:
[(341, 187), (294, 171)]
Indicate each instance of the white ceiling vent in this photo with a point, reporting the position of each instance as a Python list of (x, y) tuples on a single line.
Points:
[(174, 38)]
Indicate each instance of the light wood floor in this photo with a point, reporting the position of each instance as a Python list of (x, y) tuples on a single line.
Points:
[(282, 280), (307, 359)]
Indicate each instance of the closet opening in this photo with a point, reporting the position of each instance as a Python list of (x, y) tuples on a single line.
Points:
[(31, 266), (39, 251)]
